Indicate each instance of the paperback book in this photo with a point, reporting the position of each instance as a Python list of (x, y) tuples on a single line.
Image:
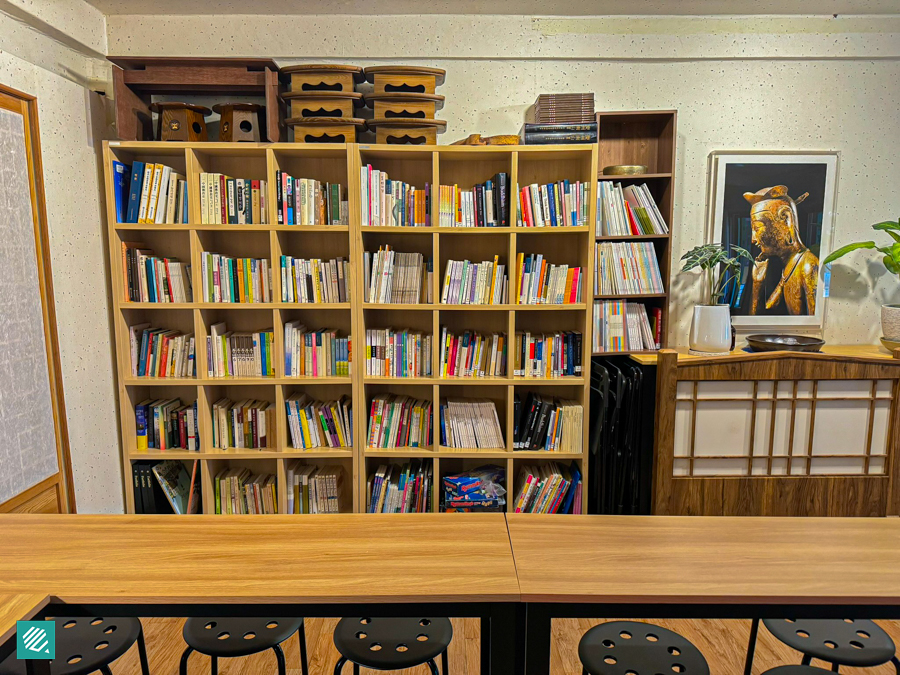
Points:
[(396, 488), (232, 201)]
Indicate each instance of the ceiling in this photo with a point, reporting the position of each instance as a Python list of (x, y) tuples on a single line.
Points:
[(520, 7)]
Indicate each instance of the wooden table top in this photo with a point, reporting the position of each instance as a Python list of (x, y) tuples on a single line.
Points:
[(858, 351), (705, 560), (276, 559), (18, 607)]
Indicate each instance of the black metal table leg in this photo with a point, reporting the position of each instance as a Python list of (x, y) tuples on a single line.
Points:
[(504, 644), (751, 647), (537, 639), (485, 645)]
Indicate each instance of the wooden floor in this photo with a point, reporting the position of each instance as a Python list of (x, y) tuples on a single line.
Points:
[(722, 642)]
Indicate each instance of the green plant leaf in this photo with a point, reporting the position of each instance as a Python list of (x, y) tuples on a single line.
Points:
[(891, 265), (887, 225), (844, 250)]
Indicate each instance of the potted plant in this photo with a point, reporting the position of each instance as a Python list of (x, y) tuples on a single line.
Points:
[(711, 325), (890, 314)]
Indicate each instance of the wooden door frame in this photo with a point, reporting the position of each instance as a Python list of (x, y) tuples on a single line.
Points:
[(28, 108)]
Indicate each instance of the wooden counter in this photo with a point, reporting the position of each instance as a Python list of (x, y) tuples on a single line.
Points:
[(853, 351), (17, 607)]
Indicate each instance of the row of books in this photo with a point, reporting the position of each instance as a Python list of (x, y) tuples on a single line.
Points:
[(158, 352), (548, 488), (397, 421), (239, 354), (149, 278), (163, 424), (561, 204), (392, 203), (478, 490), (166, 487), (311, 489), (473, 354), (628, 267), (306, 201), (534, 133), (232, 201), (621, 326), (243, 424), (546, 423), (315, 353), (238, 491), (627, 211), (470, 423), (541, 283), (393, 488), (467, 283), (397, 353), (227, 279), (319, 424), (149, 193), (394, 277), (314, 280), (485, 205), (547, 354)]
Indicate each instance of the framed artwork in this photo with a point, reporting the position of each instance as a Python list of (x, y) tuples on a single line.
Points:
[(780, 207)]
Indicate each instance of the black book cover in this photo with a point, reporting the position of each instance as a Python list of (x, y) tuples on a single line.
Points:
[(556, 137), (517, 411), (578, 352), (147, 480), (540, 427), (530, 421), (560, 127), (138, 492), (503, 189), (479, 205), (278, 197)]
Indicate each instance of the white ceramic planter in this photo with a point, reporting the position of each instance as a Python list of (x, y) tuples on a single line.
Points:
[(890, 322), (711, 329)]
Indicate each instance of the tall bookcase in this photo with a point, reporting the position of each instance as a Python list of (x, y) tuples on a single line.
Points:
[(647, 138), (341, 163)]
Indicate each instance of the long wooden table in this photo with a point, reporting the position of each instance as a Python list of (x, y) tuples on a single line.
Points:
[(709, 567)]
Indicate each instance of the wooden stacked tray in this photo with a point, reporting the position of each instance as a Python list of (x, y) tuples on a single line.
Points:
[(404, 104), (322, 102)]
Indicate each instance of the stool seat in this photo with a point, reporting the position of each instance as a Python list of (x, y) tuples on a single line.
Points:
[(237, 636), (620, 647), (84, 645), (797, 670), (392, 643), (847, 642)]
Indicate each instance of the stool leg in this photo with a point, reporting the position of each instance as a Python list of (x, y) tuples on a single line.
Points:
[(355, 669), (806, 660), (896, 664), (339, 665), (279, 655), (433, 666), (584, 671), (105, 670), (834, 668), (214, 665), (182, 668), (142, 652), (301, 635), (444, 668), (751, 647)]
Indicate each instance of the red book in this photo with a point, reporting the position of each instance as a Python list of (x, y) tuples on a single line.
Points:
[(573, 295), (224, 199)]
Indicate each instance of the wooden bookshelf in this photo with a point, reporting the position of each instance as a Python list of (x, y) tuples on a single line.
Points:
[(341, 163), (644, 137)]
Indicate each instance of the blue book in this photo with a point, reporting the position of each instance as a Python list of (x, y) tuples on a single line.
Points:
[(140, 424), (184, 206), (151, 281), (551, 200), (142, 362), (134, 193), (121, 183), (570, 495)]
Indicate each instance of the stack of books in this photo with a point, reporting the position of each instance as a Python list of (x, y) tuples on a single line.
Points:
[(485, 205), (472, 354), (238, 491), (392, 203), (230, 354), (564, 108), (470, 423), (318, 424), (547, 354), (479, 490), (228, 279), (621, 326), (243, 424), (561, 204), (467, 283), (549, 488), (232, 201), (626, 267), (559, 134), (149, 278), (157, 352), (149, 193), (400, 278), (314, 280), (164, 424), (400, 489), (315, 353), (305, 201), (397, 353), (397, 421), (545, 423), (314, 490), (540, 283), (627, 211)]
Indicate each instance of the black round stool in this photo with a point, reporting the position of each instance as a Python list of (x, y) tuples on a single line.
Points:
[(797, 670), (88, 644), (620, 647), (241, 636), (392, 644)]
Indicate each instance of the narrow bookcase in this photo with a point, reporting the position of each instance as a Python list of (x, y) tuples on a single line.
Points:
[(341, 163), (647, 138)]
